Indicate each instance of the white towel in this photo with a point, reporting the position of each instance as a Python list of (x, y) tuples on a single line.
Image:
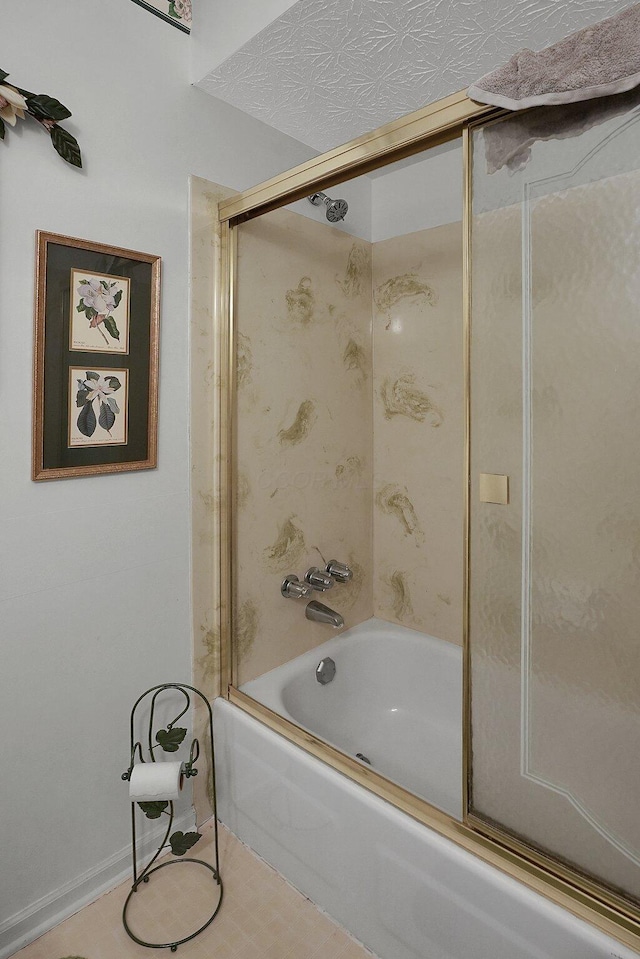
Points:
[(595, 62)]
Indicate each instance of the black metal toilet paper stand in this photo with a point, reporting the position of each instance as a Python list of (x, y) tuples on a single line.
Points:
[(168, 739)]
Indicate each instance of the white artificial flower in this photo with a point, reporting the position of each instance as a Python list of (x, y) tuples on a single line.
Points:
[(12, 104)]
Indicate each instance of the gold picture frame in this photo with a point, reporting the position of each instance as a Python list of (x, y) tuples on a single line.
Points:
[(95, 371)]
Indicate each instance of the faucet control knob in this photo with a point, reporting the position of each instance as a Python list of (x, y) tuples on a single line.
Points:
[(292, 588), (339, 571), (318, 579)]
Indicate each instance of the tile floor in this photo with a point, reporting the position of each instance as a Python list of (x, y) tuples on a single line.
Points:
[(261, 916)]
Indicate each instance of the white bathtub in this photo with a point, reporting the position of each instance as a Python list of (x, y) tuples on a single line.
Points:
[(402, 889), (396, 698)]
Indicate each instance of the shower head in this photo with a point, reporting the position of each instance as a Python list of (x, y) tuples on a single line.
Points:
[(336, 209)]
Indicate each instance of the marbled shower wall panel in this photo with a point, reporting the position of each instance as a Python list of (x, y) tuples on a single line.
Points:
[(304, 430), (419, 430)]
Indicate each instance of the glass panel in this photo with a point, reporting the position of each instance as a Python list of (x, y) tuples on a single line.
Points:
[(304, 435), (350, 446), (555, 574)]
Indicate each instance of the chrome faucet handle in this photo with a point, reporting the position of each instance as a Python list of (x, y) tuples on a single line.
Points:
[(292, 588), (339, 571), (318, 579)]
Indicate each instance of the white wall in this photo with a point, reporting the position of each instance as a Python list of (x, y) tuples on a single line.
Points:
[(418, 193), (95, 572)]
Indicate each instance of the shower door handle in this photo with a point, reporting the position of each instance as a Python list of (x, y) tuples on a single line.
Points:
[(494, 488)]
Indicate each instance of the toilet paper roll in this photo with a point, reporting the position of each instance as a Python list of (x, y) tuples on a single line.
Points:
[(151, 782)]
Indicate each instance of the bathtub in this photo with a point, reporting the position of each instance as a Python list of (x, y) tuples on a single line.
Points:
[(401, 888), (396, 699)]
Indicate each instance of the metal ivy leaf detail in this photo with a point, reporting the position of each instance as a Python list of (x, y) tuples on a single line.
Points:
[(16, 103), (181, 842), (153, 810), (170, 739)]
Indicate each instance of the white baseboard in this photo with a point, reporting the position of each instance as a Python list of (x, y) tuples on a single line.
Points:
[(34, 920)]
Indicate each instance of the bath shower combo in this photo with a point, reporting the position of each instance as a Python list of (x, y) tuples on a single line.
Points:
[(467, 741)]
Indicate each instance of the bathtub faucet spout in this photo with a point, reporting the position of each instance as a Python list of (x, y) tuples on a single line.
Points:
[(319, 613)]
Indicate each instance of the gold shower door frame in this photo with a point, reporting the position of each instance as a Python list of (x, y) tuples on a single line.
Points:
[(437, 123)]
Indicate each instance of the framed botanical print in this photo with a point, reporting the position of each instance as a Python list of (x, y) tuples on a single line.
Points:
[(98, 298), (176, 12), (95, 358)]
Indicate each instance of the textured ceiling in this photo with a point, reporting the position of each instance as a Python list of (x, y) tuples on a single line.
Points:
[(329, 70)]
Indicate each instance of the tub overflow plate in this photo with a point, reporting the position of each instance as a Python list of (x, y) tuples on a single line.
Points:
[(325, 670)]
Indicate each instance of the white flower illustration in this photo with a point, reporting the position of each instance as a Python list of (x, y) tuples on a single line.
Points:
[(94, 396), (183, 10), (96, 388), (97, 295), (98, 299)]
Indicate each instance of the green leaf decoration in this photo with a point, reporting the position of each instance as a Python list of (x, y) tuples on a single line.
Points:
[(153, 810), (111, 400), (81, 308), (107, 417), (81, 397), (66, 145), (87, 420), (47, 108), (181, 842), (92, 376), (170, 739), (112, 329), (113, 382), (118, 297), (48, 111)]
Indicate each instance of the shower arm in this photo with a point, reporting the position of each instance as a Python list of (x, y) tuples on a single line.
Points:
[(336, 209)]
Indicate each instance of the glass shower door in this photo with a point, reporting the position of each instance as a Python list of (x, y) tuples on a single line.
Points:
[(554, 597)]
